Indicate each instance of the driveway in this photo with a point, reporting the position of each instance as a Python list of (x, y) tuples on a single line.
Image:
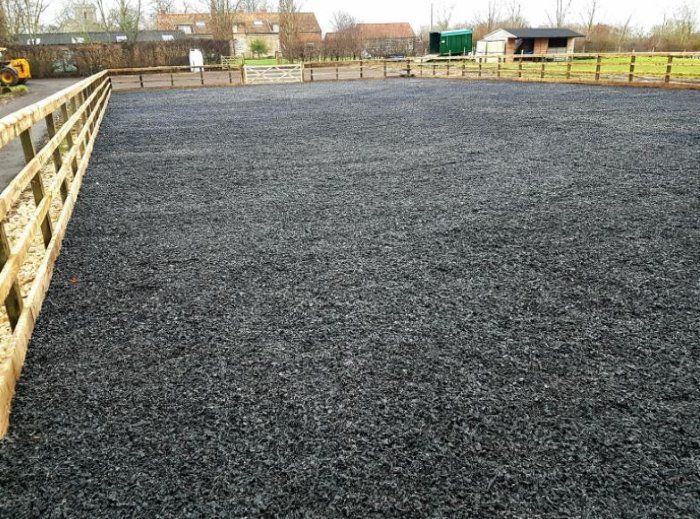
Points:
[(11, 156)]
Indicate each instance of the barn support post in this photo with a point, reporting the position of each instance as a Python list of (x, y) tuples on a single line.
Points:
[(669, 66), (633, 61)]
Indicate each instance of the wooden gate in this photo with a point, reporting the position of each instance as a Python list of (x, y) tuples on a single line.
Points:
[(266, 74)]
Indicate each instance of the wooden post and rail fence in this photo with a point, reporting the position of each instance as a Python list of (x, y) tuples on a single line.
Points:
[(37, 204), (681, 69), (35, 208)]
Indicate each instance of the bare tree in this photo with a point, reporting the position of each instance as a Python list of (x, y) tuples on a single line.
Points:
[(589, 20), (223, 17), (490, 18), (127, 15), (23, 16), (624, 32), (346, 40), (105, 16), (5, 36), (514, 15), (254, 6), (444, 16), (163, 6), (290, 29), (561, 12)]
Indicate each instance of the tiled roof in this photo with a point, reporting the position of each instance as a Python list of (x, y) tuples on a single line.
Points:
[(262, 22), (372, 31)]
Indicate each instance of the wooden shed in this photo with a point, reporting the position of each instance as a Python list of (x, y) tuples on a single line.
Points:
[(527, 41)]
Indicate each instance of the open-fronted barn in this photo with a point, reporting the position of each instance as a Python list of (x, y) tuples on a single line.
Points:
[(528, 41)]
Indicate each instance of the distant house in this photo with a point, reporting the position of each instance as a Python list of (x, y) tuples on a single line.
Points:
[(75, 38), (373, 39), (246, 28), (527, 41)]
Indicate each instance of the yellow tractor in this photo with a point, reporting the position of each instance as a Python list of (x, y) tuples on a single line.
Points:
[(13, 71)]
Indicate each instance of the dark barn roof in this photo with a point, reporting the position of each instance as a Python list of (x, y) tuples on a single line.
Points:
[(68, 38), (555, 32)]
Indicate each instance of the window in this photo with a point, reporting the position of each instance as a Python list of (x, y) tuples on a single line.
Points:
[(121, 38), (187, 29), (558, 42), (34, 41), (168, 37), (201, 24), (276, 28), (258, 23)]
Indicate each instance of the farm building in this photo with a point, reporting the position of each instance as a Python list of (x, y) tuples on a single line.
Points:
[(74, 38), (526, 41), (247, 27), (372, 39), (385, 39)]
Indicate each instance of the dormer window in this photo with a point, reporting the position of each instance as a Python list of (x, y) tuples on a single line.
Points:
[(201, 24), (187, 29), (258, 23), (121, 38), (275, 28)]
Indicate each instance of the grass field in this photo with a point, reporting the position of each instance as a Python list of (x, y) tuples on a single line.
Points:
[(645, 66)]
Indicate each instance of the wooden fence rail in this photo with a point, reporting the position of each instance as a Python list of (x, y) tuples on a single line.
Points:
[(35, 208), (652, 69)]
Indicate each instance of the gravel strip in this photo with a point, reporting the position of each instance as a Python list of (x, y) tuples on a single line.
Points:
[(381, 299)]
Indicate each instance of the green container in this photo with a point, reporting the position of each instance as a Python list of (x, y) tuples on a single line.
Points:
[(456, 43)]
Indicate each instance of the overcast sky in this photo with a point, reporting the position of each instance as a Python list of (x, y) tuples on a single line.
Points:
[(645, 13)]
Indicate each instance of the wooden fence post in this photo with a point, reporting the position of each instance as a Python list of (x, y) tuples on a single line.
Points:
[(464, 68), (669, 65), (633, 60), (337, 73), (479, 67), (13, 301), (172, 80), (498, 68), (569, 62), (362, 69), (385, 74), (311, 71), (542, 71), (520, 67), (201, 76), (434, 70), (598, 62), (408, 67), (37, 185)]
